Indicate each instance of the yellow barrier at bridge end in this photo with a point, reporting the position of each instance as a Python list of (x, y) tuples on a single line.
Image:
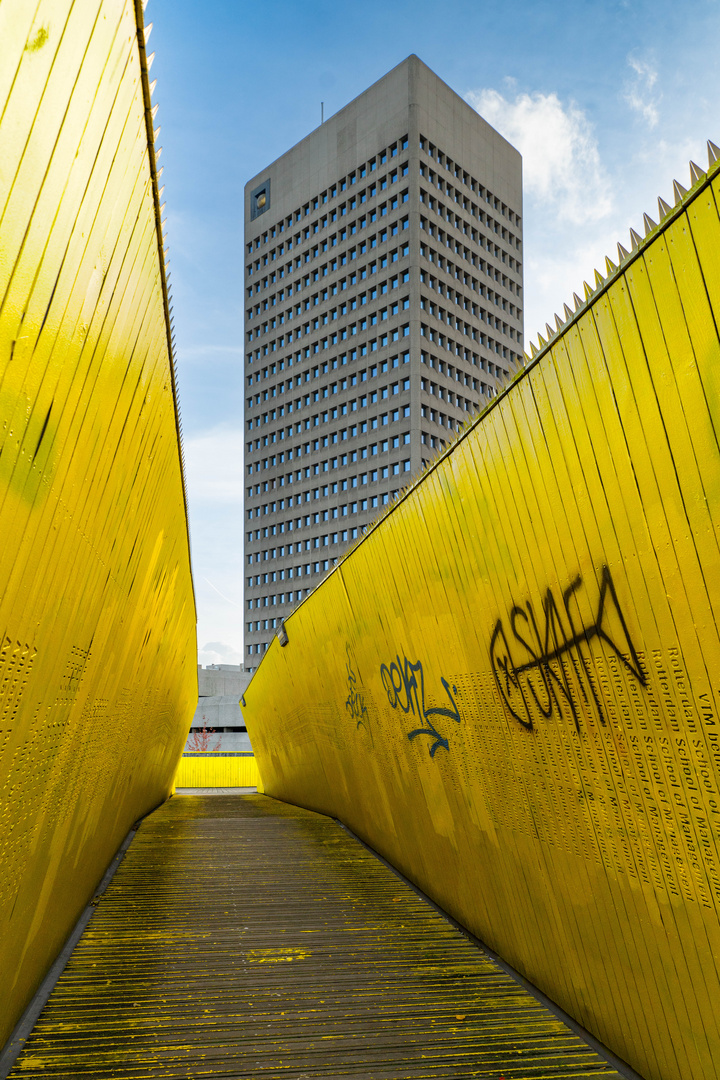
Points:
[(217, 771)]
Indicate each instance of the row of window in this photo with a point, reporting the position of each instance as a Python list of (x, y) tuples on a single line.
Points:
[(372, 476), (303, 570), (373, 502), (434, 442), (342, 460), (263, 624), (458, 298), (314, 494), (333, 191), (337, 337), (386, 233), (294, 595), (371, 398), (430, 306), (446, 342), (434, 256), (314, 447), (332, 439), (462, 224), (450, 320), (323, 369), (332, 488), (450, 396), (456, 347), (454, 323), (452, 245), (311, 327), (352, 227), (445, 420), (456, 373), (467, 204), (305, 281), (320, 297), (283, 598), (358, 506), (360, 275), (469, 181), (350, 380), (440, 260)]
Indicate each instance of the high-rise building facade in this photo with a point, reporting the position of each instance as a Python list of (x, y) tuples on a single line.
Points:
[(383, 302)]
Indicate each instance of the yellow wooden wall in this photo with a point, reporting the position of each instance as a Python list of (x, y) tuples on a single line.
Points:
[(510, 687), (217, 772), (97, 649)]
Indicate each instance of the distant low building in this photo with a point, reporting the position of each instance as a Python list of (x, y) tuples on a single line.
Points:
[(218, 723)]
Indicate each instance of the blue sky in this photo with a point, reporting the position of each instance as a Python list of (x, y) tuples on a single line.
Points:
[(606, 101)]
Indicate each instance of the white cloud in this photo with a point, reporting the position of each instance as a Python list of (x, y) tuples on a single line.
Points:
[(217, 652), (640, 92), (561, 162), (569, 200), (578, 202)]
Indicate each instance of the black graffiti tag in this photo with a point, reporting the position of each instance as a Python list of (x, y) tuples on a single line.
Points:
[(532, 676), (354, 703), (404, 684)]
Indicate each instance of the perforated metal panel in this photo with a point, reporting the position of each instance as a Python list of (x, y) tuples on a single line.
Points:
[(97, 647), (509, 687)]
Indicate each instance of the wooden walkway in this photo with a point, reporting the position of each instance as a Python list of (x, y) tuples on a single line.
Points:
[(245, 938)]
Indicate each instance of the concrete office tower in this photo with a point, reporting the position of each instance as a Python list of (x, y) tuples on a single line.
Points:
[(383, 297)]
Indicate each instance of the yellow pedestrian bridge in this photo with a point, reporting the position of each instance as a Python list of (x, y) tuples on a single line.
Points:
[(244, 937), (508, 689)]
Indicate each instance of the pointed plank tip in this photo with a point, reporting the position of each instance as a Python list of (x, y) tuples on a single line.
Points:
[(696, 173), (664, 208), (679, 192)]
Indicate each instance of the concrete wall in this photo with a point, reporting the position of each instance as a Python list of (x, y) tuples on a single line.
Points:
[(228, 679), (220, 688)]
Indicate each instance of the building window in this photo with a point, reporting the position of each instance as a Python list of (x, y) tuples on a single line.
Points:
[(260, 200)]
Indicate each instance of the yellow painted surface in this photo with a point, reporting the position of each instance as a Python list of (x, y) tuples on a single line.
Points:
[(217, 772), (97, 655), (269, 943), (510, 687)]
